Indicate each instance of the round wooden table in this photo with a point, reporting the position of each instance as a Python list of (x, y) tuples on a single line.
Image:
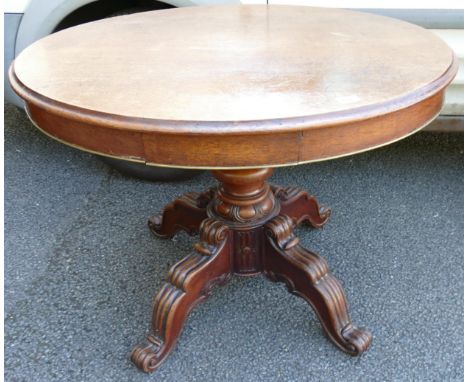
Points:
[(238, 90)]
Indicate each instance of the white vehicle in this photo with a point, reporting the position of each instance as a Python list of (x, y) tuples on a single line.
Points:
[(28, 20)]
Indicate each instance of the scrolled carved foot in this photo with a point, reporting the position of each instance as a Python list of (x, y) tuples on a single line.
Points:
[(154, 224), (300, 206), (185, 213), (145, 357), (358, 339), (307, 275), (189, 282)]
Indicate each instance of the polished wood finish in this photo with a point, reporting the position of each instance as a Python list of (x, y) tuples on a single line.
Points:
[(189, 282), (238, 90), (234, 86), (185, 213), (307, 275), (300, 206), (246, 227)]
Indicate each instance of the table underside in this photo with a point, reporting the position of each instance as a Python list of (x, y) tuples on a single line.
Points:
[(246, 228)]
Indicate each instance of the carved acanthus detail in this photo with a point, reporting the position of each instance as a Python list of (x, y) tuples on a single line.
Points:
[(243, 196), (238, 213), (248, 247), (246, 227)]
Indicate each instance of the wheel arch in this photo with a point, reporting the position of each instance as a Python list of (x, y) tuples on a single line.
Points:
[(42, 18)]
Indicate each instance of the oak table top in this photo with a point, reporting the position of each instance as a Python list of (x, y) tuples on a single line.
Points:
[(234, 86)]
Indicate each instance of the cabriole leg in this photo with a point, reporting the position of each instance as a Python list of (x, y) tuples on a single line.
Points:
[(185, 213), (300, 206), (189, 282), (306, 275)]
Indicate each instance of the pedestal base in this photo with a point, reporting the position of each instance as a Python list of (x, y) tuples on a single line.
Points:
[(246, 227)]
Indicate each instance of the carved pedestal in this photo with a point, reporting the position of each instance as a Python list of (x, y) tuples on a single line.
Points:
[(246, 227)]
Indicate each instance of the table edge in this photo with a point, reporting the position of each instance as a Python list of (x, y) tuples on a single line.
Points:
[(266, 126), (214, 167)]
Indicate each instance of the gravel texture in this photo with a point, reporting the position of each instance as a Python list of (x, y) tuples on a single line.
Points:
[(81, 268)]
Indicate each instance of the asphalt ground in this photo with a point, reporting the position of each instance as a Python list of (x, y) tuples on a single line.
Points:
[(81, 268)]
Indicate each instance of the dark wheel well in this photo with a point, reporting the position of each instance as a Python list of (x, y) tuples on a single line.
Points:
[(103, 8)]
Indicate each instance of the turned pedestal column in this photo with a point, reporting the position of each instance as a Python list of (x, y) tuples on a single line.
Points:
[(246, 228)]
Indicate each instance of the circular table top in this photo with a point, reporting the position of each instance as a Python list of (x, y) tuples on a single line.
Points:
[(234, 86)]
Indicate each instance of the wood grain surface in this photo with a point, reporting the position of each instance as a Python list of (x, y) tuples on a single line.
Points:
[(234, 86)]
